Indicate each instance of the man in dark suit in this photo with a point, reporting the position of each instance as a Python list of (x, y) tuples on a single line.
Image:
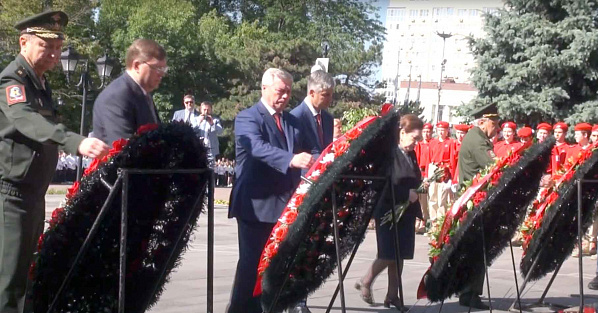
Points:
[(318, 125), (269, 157), (127, 102)]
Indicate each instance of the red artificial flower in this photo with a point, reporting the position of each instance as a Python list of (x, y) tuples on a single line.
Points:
[(147, 127), (495, 178), (32, 271), (118, 145), (270, 250), (40, 242), (92, 167), (73, 190), (299, 199), (568, 176), (344, 212), (280, 233), (479, 197), (353, 133), (552, 198), (290, 216), (446, 239), (340, 146), (57, 217), (387, 107)]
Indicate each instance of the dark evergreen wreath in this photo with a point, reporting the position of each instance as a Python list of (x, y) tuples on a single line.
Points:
[(461, 260), (159, 207), (308, 249), (553, 242)]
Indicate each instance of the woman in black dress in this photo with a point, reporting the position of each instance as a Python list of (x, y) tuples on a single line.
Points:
[(406, 179)]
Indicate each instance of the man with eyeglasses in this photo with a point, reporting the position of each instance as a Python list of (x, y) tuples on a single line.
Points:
[(127, 102), (189, 114)]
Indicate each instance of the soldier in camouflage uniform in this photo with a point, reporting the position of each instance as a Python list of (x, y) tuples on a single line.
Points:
[(29, 143)]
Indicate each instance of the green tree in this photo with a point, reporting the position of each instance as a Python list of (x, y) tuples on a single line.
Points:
[(539, 61)]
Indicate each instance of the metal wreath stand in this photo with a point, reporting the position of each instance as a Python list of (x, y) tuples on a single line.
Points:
[(541, 303), (122, 183), (343, 273)]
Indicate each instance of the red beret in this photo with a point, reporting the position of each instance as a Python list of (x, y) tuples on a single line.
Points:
[(462, 127), (510, 125), (524, 132), (561, 125), (428, 126), (583, 127), (595, 128), (442, 124), (544, 126)]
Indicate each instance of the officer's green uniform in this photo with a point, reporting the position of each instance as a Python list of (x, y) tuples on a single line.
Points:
[(29, 143), (475, 154)]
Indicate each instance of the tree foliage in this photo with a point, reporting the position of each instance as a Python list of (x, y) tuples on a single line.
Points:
[(217, 49), (539, 61)]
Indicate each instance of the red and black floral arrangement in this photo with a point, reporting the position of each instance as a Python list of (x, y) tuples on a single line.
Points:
[(301, 252), (494, 203), (552, 227), (159, 207)]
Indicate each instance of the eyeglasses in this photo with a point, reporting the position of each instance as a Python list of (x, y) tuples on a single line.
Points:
[(188, 102), (159, 70)]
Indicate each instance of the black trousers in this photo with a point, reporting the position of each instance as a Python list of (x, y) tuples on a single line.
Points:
[(252, 239)]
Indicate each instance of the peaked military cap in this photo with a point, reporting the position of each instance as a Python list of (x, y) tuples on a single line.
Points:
[(487, 111), (49, 24)]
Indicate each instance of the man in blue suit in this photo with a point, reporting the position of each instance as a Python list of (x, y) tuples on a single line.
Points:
[(318, 125), (270, 153), (127, 102)]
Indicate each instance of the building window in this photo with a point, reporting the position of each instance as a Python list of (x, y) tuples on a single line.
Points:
[(462, 12), (473, 12), (423, 12), (443, 12), (413, 13), (396, 14)]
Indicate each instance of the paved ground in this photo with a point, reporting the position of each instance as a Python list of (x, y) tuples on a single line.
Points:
[(186, 291)]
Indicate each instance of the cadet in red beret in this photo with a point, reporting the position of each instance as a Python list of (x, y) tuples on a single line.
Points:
[(594, 135), (423, 154), (460, 132), (441, 151), (559, 152), (509, 143), (582, 138), (525, 135), (542, 131)]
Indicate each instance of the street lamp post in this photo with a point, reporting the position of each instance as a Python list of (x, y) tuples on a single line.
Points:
[(69, 60), (444, 36)]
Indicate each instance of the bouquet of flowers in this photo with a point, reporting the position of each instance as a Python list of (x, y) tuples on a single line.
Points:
[(439, 173)]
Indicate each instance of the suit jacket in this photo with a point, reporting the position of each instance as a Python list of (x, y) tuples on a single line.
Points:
[(180, 115), (406, 175), (304, 114), (120, 109), (264, 181)]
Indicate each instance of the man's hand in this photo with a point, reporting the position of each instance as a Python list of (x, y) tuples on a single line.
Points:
[(302, 160), (93, 148)]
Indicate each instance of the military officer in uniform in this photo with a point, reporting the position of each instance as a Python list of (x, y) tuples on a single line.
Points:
[(29, 144), (477, 153)]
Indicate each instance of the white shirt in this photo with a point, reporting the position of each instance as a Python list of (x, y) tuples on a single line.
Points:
[(311, 106), (269, 108)]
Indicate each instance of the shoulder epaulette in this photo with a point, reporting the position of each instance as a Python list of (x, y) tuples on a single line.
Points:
[(21, 71)]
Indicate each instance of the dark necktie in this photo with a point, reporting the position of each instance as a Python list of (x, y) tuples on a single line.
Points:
[(320, 131), (277, 118)]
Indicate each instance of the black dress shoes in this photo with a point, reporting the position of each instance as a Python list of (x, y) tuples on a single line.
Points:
[(473, 301), (300, 308), (593, 284)]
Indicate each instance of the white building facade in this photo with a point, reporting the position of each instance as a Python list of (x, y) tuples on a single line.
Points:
[(413, 52)]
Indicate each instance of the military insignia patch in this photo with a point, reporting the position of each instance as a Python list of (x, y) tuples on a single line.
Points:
[(15, 94)]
